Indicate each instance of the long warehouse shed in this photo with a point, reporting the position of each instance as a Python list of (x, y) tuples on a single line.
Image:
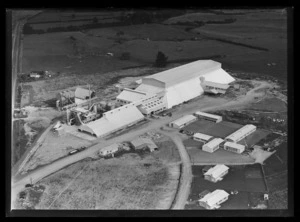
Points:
[(113, 121), (234, 147), (183, 121), (241, 133), (180, 84), (208, 116)]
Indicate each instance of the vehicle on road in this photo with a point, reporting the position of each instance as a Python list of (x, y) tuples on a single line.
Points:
[(77, 150)]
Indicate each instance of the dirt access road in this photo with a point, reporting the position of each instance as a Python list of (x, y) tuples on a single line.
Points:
[(186, 175), (204, 103)]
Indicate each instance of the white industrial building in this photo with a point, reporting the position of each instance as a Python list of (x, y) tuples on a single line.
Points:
[(213, 200), (202, 137), (82, 95), (109, 150), (216, 173), (175, 86), (234, 147), (208, 116), (183, 121), (113, 121), (212, 145), (215, 88), (241, 133)]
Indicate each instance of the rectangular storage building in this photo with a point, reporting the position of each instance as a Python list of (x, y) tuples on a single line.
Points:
[(213, 200), (183, 121), (208, 116), (202, 137), (140, 143), (212, 145), (216, 173), (113, 121), (234, 147), (241, 133)]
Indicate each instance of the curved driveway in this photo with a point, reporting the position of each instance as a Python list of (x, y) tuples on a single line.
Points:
[(186, 174)]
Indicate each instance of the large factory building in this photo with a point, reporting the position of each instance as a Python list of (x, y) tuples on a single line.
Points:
[(177, 85)]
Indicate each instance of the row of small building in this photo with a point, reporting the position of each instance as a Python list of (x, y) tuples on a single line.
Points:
[(211, 144), (213, 200)]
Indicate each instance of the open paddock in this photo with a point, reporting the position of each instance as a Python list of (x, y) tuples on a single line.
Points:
[(221, 129), (220, 156), (254, 137)]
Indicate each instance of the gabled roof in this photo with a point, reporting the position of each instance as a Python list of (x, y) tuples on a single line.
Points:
[(213, 198), (112, 147), (214, 142), (184, 120), (143, 141), (217, 170), (217, 85), (82, 93), (132, 95), (202, 136), (114, 120), (218, 76), (185, 72), (240, 132), (235, 145), (199, 113)]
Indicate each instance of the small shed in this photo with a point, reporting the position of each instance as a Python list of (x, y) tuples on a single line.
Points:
[(212, 145), (216, 173), (213, 200), (109, 150), (202, 137), (141, 143), (183, 121)]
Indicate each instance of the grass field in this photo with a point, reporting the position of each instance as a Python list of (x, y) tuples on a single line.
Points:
[(270, 104), (120, 183), (132, 180), (221, 129), (254, 137), (173, 40), (54, 147), (220, 156), (20, 141)]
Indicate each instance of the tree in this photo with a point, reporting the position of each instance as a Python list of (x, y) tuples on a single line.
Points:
[(125, 56), (161, 59), (95, 20)]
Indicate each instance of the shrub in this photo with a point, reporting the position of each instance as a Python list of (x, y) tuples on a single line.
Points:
[(161, 60), (125, 56)]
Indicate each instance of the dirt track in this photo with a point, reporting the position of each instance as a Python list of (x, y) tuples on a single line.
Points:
[(186, 176)]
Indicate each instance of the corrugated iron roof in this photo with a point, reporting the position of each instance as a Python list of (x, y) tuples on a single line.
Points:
[(186, 72), (217, 170), (241, 132), (82, 93), (184, 120), (213, 198)]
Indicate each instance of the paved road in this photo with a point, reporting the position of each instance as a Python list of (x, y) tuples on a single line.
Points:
[(186, 174)]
